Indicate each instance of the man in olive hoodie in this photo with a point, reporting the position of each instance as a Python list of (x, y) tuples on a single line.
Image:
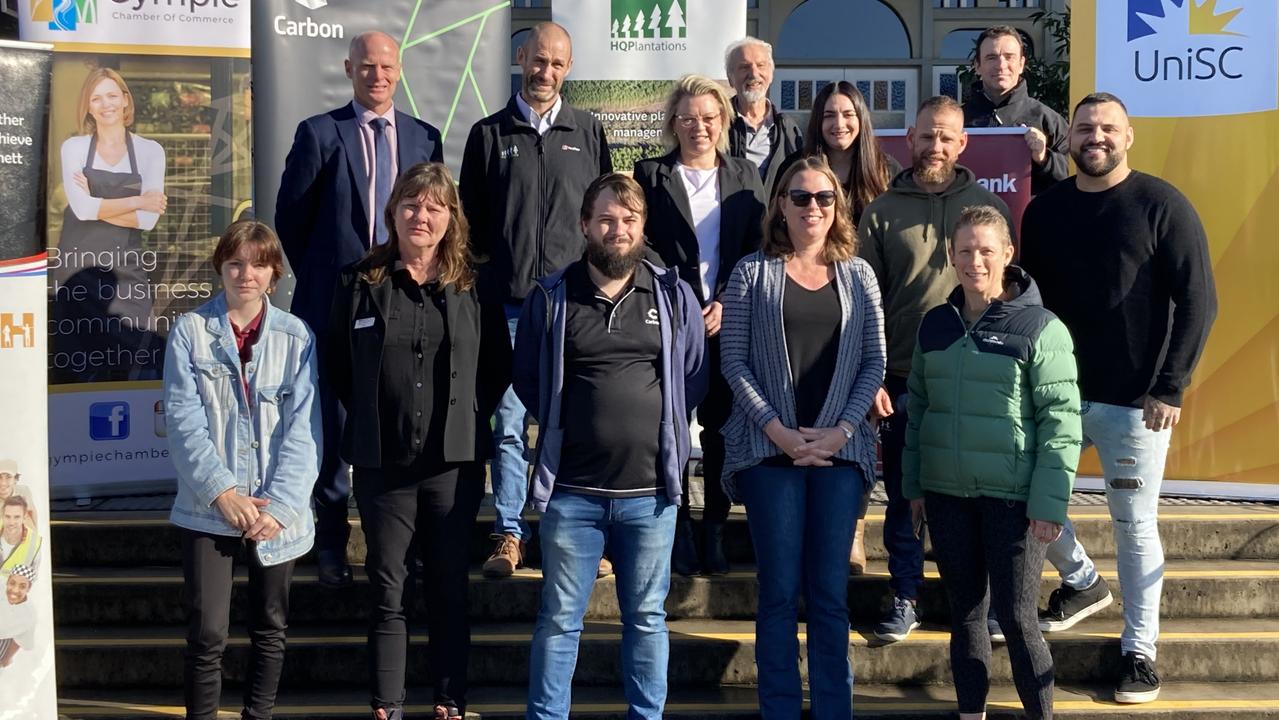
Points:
[(904, 235)]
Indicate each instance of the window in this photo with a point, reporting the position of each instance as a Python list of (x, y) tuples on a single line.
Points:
[(10, 7), (959, 44), (891, 93), (842, 29), (954, 3)]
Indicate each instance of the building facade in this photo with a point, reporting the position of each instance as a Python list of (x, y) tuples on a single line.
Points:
[(896, 51)]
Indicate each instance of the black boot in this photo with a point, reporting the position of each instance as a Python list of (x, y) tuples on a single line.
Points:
[(715, 563), (684, 553)]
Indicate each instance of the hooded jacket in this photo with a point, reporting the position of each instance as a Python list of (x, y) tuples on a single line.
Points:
[(1019, 108), (539, 374), (904, 235), (993, 409)]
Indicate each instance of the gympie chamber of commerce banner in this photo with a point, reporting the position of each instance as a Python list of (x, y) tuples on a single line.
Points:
[(27, 683), (1201, 82), (626, 52), (454, 54), (998, 157), (148, 161)]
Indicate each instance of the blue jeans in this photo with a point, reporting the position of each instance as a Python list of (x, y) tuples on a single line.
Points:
[(801, 522), (510, 467), (1132, 461), (639, 532), (905, 549)]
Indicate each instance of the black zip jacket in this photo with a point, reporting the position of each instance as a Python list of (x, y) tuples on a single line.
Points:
[(1018, 108), (785, 138), (522, 193)]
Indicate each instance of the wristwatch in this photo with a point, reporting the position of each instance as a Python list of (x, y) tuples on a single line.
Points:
[(848, 434)]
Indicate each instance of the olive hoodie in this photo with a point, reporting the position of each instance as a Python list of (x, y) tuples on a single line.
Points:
[(904, 235)]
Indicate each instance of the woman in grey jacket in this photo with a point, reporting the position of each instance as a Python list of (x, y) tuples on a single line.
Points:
[(803, 352)]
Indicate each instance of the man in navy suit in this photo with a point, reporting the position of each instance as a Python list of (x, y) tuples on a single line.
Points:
[(328, 214)]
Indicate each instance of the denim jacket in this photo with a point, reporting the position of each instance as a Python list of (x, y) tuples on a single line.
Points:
[(268, 448)]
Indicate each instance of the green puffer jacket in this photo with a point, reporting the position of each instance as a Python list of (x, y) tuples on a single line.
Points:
[(993, 410)]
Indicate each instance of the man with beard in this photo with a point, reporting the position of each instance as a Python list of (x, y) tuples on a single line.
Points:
[(523, 174), (1122, 258), (904, 235), (999, 99), (19, 543), (760, 132), (17, 616), (609, 359)]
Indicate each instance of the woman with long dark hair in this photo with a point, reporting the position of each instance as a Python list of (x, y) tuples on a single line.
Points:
[(419, 365)]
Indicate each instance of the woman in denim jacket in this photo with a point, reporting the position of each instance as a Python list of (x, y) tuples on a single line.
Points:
[(243, 427)]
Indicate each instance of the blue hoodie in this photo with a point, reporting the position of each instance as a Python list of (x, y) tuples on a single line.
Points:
[(539, 374)]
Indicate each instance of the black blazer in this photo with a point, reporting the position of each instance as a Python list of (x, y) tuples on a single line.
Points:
[(479, 360), (669, 226), (321, 212)]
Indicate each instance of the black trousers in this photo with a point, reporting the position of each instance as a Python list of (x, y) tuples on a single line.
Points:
[(711, 415), (332, 486), (979, 538), (207, 565), (406, 511)]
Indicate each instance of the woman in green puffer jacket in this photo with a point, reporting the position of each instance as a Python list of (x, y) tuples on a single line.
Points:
[(992, 443)]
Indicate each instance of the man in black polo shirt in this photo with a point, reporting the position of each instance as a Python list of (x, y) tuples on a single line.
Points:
[(609, 360)]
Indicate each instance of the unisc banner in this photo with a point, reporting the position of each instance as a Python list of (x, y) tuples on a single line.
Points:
[(26, 606), (1200, 81)]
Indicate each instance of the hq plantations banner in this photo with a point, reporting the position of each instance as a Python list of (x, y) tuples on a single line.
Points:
[(148, 161), (1201, 82), (626, 52), (26, 605)]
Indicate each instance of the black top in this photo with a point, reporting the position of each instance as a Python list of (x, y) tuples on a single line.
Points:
[(413, 393), (811, 319), (1019, 108), (612, 400), (1127, 270)]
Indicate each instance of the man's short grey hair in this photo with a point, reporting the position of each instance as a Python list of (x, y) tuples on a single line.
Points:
[(738, 45)]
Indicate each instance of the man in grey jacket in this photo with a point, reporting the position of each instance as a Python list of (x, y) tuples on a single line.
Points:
[(610, 362)]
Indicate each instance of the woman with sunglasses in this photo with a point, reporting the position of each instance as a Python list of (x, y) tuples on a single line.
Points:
[(704, 213), (840, 130), (803, 355)]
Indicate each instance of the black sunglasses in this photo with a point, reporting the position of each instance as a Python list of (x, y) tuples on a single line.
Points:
[(799, 198)]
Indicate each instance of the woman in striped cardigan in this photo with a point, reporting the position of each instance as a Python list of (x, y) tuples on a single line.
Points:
[(803, 352)]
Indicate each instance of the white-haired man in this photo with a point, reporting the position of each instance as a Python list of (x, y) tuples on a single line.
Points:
[(759, 132)]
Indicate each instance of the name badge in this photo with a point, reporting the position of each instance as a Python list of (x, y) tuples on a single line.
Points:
[(362, 323)]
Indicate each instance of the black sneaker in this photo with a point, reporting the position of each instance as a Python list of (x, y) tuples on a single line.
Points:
[(1138, 682), (1067, 606)]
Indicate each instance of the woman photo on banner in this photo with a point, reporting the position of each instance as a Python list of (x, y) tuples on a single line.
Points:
[(114, 183)]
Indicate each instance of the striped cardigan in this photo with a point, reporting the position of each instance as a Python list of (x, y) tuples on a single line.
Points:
[(757, 367)]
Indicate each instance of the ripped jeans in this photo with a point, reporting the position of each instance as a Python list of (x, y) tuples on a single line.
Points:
[(1132, 461)]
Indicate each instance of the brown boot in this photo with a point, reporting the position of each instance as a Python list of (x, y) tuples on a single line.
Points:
[(857, 556), (508, 555)]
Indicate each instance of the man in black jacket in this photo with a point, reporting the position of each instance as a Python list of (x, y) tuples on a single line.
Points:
[(524, 172), (999, 99), (759, 132)]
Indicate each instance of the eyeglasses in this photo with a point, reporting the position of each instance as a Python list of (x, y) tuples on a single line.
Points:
[(688, 121), (799, 198)]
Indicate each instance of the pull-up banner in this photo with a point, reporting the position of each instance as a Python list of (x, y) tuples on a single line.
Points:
[(454, 55), (26, 606), (1201, 83), (148, 161)]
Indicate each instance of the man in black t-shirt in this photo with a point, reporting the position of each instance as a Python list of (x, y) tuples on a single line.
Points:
[(609, 360), (1121, 257)]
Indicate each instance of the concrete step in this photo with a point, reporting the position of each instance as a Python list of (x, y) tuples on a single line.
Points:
[(152, 596), (1178, 701), (703, 654), (1192, 532)]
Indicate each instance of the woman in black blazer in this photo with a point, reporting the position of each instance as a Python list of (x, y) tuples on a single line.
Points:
[(705, 211), (419, 365)]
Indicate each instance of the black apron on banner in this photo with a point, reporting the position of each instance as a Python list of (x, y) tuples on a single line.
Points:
[(108, 333)]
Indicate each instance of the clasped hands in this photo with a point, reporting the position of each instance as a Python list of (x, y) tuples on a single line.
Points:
[(808, 447), (245, 514)]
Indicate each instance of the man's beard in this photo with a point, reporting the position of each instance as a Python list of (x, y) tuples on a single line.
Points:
[(754, 96), (932, 175), (1097, 168), (615, 264)]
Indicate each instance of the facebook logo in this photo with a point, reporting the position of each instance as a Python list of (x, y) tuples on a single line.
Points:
[(109, 421)]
